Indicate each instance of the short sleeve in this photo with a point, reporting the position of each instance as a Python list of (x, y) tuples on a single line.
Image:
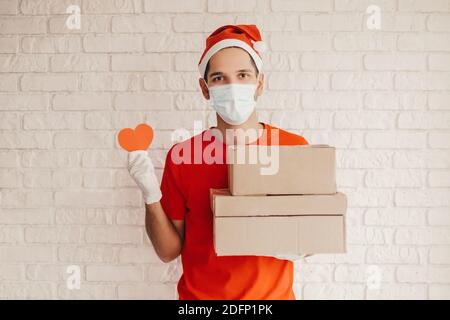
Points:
[(172, 201)]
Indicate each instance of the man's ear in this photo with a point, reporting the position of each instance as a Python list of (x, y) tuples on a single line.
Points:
[(204, 88), (260, 84)]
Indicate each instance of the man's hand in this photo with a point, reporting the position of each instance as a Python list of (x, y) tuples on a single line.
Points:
[(141, 169)]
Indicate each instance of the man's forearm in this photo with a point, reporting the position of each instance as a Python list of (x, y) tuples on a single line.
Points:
[(162, 233)]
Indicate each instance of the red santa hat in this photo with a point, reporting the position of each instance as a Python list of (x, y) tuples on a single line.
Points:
[(245, 36)]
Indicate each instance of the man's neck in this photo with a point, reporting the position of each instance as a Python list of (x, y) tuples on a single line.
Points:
[(251, 123)]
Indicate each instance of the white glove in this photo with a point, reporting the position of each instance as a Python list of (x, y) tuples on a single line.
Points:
[(292, 257), (142, 171)]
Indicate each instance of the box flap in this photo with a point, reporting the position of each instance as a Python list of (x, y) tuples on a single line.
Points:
[(226, 205)]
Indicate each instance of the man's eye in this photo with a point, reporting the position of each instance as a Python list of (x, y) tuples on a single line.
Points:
[(216, 78), (244, 75)]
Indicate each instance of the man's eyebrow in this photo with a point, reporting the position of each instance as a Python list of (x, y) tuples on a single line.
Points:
[(218, 73)]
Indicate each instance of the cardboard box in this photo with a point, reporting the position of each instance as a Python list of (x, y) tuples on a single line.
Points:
[(260, 170), (278, 224)]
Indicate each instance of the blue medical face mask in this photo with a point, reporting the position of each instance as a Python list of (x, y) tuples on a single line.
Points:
[(233, 102)]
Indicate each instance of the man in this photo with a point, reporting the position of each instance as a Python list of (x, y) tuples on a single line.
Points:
[(179, 219)]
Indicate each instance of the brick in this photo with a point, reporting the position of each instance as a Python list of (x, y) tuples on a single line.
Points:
[(79, 62), (110, 82), (114, 235), (141, 24), (298, 81), (81, 140), (363, 159), (330, 61), (58, 235), (84, 216), (115, 43), (50, 159), (422, 81), (19, 25), (439, 62), (23, 102), (423, 236), (54, 120), (173, 42), (364, 120), (90, 24), (400, 61), (81, 101), (423, 5), (51, 44), (53, 179), (10, 178), (365, 41), (395, 216), (394, 178), (11, 234), (333, 22), (114, 273), (49, 82), (427, 197), (111, 6), (174, 6), (200, 23), (12, 272), (231, 6), (333, 291), (439, 292), (147, 291), (138, 255), (423, 42), (146, 62), (28, 140), (362, 81), (292, 5), (23, 63), (422, 159), (9, 44), (29, 253), (399, 292), (43, 7), (88, 292), (358, 5), (26, 291), (438, 217), (392, 255), (10, 121), (144, 101), (18, 198), (363, 273), (306, 42), (98, 198), (439, 140), (391, 139), (9, 7), (438, 22), (87, 254)]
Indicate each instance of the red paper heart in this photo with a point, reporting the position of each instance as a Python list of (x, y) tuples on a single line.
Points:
[(138, 139)]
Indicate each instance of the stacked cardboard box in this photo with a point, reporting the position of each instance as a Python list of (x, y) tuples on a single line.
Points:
[(282, 200)]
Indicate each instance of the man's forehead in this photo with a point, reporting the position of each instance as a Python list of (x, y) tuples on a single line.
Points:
[(231, 59)]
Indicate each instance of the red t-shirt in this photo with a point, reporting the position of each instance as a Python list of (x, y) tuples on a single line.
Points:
[(185, 195)]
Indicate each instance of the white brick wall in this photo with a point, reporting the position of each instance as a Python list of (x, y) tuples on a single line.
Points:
[(382, 97)]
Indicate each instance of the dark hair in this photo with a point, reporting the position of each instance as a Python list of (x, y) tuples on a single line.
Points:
[(253, 63)]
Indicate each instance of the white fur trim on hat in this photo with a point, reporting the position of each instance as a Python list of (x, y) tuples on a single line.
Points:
[(225, 44), (260, 46)]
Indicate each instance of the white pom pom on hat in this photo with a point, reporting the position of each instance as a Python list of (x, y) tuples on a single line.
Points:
[(260, 46)]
